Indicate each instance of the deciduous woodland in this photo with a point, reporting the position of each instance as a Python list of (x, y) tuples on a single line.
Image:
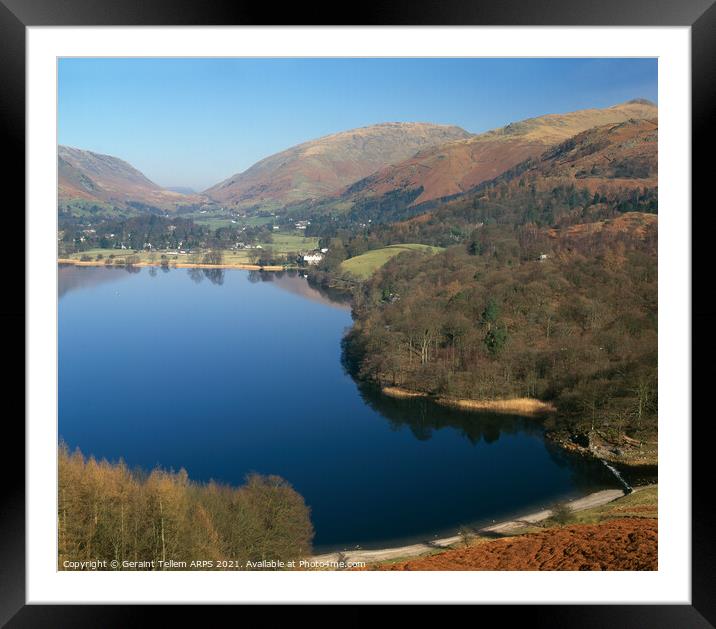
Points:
[(493, 320), (107, 511)]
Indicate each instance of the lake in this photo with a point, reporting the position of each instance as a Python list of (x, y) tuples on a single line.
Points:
[(223, 373)]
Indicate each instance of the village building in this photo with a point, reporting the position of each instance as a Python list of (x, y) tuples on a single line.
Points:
[(313, 258)]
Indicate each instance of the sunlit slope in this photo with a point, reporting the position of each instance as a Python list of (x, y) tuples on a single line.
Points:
[(460, 165), (325, 166)]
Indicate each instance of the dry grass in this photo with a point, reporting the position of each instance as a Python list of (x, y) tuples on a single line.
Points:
[(618, 544), (518, 406), (402, 393)]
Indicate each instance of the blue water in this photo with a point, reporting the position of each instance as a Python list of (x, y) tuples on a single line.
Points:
[(228, 372)]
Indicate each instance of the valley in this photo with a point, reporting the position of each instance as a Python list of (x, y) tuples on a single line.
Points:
[(535, 256), (502, 290)]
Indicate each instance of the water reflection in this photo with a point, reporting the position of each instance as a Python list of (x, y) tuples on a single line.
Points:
[(71, 277), (294, 282), (423, 417), (584, 472), (215, 276)]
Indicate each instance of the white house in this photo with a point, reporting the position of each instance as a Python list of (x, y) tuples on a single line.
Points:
[(313, 258)]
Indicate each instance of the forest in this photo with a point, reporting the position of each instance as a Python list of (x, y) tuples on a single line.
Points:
[(568, 316), (107, 511)]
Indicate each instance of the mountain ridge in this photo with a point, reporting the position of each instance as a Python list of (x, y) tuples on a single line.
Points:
[(105, 180), (461, 165), (325, 165)]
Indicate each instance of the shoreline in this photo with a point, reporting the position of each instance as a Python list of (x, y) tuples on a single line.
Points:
[(175, 265), (528, 407), (347, 557), (531, 407)]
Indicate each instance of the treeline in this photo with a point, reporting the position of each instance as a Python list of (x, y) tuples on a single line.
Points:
[(558, 202), (493, 318), (108, 512), (137, 232), (521, 203)]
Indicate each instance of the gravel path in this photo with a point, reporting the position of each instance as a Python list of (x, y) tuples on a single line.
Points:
[(413, 550)]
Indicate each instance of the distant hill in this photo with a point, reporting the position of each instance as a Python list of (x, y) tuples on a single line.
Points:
[(325, 166), (181, 189), (86, 178), (461, 165)]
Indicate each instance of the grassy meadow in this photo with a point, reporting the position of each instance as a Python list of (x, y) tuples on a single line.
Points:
[(364, 265)]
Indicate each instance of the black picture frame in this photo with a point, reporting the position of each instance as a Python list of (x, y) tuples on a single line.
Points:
[(700, 15)]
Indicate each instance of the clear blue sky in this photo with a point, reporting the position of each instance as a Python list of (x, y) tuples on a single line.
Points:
[(193, 122)]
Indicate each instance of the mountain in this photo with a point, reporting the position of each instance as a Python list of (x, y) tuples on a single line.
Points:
[(461, 165), (87, 178), (613, 167), (624, 152), (181, 189), (593, 176), (325, 166)]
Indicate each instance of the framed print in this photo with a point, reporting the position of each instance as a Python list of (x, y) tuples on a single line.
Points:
[(311, 307)]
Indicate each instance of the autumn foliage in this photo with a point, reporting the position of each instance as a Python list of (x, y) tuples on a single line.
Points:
[(107, 511)]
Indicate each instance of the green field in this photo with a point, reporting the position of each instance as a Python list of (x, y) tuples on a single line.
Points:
[(255, 221), (284, 243), (364, 265), (214, 222)]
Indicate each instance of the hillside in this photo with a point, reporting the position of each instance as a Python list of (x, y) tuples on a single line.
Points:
[(609, 168), (625, 153), (626, 544), (87, 179), (620, 535), (461, 165), (325, 166), (592, 176)]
